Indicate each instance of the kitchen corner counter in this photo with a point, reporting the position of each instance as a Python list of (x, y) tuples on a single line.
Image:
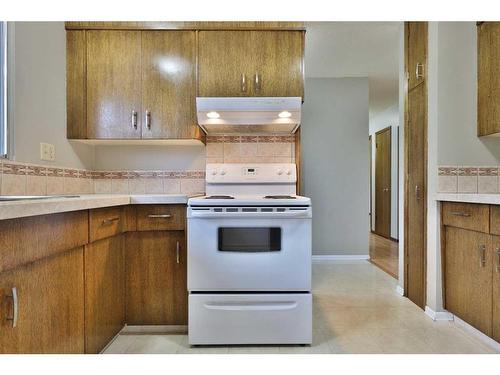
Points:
[(468, 198), (25, 208)]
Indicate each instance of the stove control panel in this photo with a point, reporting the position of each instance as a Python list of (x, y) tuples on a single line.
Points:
[(251, 173)]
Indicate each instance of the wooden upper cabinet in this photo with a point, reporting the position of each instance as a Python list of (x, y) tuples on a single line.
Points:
[(250, 63), (416, 58), (113, 84), (488, 78), (169, 84), (225, 63)]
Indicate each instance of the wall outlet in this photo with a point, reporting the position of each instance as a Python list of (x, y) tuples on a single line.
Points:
[(47, 151)]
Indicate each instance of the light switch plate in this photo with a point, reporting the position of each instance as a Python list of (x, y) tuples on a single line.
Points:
[(47, 151)]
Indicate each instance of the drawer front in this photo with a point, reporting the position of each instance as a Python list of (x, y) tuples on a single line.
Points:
[(105, 222), (225, 319), (161, 217), (495, 220), (467, 216), (29, 239)]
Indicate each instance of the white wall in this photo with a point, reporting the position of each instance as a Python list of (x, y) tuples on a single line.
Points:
[(457, 99), (386, 118), (39, 105), (335, 163)]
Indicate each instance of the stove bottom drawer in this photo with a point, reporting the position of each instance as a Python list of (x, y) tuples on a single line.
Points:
[(239, 319)]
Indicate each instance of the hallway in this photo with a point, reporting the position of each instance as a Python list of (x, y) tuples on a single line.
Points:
[(384, 254)]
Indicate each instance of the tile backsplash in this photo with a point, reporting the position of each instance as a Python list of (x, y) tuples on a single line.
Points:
[(251, 149), (466, 179), (29, 179)]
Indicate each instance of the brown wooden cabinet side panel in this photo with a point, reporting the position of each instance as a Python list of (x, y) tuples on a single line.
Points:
[(76, 81), (51, 306), (104, 292), (33, 238)]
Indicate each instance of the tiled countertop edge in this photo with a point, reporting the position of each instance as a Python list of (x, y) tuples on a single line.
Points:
[(25, 208), (468, 198)]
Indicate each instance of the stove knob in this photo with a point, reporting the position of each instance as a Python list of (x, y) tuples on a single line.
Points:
[(214, 172), (280, 172), (222, 173)]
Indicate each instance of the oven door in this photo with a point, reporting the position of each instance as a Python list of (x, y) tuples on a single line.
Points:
[(249, 254)]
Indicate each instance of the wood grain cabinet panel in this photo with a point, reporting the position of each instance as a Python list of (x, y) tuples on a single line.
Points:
[(50, 306), (467, 216), (156, 278), (104, 292), (76, 81), (416, 35), (496, 288), (26, 240), (161, 217), (105, 222), (488, 79), (113, 84), (468, 277), (169, 85), (495, 220)]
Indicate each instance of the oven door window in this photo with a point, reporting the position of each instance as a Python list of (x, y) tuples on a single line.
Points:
[(249, 240)]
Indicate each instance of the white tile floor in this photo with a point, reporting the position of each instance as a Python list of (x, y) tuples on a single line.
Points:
[(356, 310)]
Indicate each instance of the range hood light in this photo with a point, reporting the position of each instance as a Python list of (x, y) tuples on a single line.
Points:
[(285, 114), (213, 114)]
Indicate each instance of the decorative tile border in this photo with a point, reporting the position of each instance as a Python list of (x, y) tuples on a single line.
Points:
[(31, 179), (469, 179), (251, 139)]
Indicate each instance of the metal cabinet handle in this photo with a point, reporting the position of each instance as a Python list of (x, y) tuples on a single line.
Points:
[(482, 256), (134, 119), (148, 120), (419, 73), (458, 213), (178, 248), (15, 309), (498, 259), (258, 82), (159, 216), (385, 190), (417, 192), (109, 221), (243, 83)]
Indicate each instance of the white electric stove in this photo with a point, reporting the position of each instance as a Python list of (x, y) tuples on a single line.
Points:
[(249, 258)]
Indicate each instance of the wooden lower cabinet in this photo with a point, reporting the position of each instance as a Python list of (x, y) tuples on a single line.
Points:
[(496, 288), (104, 292), (468, 277), (156, 278), (50, 306)]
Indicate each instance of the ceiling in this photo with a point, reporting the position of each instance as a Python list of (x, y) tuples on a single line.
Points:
[(357, 49)]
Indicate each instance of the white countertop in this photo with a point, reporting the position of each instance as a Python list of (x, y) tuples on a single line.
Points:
[(24, 208), (468, 198)]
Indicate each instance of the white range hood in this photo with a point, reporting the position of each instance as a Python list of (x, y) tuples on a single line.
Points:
[(249, 115)]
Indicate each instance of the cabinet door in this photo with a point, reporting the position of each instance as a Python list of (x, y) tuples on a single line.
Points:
[(278, 69), (468, 277), (496, 288), (416, 59), (156, 283), (488, 84), (104, 292), (113, 84), (169, 85), (226, 60), (50, 306)]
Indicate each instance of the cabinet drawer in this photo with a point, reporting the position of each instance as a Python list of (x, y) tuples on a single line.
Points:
[(495, 220), (161, 217), (467, 216), (105, 222)]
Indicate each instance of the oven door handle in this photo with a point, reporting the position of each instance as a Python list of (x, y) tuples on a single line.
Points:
[(251, 306)]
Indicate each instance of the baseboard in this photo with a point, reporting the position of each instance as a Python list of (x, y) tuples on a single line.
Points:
[(153, 329), (400, 290), (477, 334), (438, 315), (113, 339), (339, 258)]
